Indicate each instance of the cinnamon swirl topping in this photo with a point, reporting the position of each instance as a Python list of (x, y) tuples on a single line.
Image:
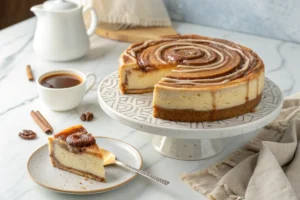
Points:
[(197, 60)]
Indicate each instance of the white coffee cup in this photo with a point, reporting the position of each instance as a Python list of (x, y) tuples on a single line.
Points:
[(63, 99)]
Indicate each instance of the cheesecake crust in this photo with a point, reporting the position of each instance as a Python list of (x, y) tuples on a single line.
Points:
[(138, 91), (186, 115)]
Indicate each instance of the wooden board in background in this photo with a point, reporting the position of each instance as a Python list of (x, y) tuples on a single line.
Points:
[(136, 34)]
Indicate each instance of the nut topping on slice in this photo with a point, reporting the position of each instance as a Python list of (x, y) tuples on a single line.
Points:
[(80, 140)]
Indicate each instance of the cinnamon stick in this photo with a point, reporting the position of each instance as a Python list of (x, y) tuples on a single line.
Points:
[(41, 122), (29, 73), (44, 120)]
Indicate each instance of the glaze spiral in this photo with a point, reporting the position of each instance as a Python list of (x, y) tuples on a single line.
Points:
[(204, 61)]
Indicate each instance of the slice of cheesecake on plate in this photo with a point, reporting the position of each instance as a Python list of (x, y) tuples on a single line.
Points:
[(75, 150)]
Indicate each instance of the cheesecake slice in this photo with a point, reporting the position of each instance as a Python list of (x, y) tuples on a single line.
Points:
[(75, 150)]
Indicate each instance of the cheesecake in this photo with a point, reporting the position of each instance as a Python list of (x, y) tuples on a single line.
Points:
[(193, 78), (75, 150)]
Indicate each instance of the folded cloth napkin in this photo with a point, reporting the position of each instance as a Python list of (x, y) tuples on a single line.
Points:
[(130, 12), (266, 168)]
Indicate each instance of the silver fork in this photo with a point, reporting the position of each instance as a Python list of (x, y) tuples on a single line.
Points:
[(143, 173), (110, 158)]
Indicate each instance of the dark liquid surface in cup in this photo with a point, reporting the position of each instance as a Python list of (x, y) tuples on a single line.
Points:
[(61, 81)]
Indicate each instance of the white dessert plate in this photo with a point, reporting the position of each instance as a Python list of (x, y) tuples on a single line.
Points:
[(43, 173)]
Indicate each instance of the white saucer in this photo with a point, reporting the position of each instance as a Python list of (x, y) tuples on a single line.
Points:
[(43, 173)]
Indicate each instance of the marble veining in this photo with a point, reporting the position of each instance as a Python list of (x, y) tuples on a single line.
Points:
[(19, 97), (7, 61)]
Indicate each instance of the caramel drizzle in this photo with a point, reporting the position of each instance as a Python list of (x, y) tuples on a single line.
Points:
[(132, 52), (247, 93), (195, 81), (213, 66), (191, 43), (257, 87), (222, 80)]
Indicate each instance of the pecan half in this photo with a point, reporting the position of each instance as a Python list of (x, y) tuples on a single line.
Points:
[(27, 134), (80, 140)]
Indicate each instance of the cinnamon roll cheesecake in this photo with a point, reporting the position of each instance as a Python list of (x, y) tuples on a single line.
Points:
[(194, 78), (75, 150)]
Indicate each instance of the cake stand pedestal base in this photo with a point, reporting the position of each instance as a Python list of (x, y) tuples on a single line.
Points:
[(188, 149)]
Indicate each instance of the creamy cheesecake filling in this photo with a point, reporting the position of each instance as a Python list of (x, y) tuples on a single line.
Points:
[(199, 100), (140, 80), (79, 161), (188, 115)]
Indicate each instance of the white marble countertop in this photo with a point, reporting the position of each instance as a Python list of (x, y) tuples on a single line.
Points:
[(19, 97)]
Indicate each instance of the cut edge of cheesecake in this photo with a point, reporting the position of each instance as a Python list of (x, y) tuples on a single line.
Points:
[(146, 80), (84, 161)]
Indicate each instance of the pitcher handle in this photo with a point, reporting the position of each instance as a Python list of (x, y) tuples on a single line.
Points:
[(94, 21)]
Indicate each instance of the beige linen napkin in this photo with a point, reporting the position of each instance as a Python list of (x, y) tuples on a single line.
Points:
[(266, 168), (130, 12)]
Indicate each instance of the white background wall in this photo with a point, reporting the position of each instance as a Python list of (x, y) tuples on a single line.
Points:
[(270, 18)]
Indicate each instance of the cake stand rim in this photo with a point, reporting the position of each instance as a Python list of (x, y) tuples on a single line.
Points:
[(188, 133)]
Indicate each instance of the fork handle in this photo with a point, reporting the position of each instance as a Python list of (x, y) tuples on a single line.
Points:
[(145, 174)]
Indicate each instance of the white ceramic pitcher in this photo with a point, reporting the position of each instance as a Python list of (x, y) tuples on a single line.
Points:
[(60, 33)]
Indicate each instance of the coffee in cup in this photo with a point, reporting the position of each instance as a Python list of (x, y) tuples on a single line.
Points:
[(63, 90)]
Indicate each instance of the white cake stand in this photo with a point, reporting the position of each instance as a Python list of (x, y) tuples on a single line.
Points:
[(185, 140)]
